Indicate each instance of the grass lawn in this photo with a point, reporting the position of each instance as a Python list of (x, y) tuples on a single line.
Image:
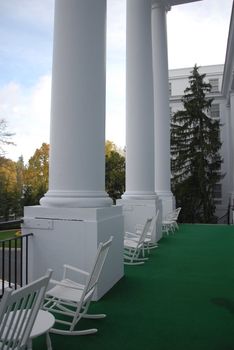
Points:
[(9, 234)]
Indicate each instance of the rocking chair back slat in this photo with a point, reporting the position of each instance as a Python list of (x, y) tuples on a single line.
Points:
[(18, 311), (134, 245)]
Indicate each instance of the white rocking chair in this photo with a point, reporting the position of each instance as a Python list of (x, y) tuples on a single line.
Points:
[(18, 313), (71, 299), (148, 242), (169, 224), (134, 245)]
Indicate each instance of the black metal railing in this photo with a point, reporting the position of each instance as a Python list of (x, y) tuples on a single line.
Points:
[(14, 262)]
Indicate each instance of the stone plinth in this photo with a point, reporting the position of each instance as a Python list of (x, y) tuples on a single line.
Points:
[(138, 210), (71, 236)]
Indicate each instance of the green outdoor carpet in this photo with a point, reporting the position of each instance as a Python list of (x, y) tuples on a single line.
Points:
[(182, 298)]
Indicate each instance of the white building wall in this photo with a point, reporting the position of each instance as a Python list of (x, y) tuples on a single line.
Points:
[(179, 81)]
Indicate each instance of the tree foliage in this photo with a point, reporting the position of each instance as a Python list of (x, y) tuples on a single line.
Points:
[(5, 136), (195, 157), (115, 171), (10, 190), (36, 176), (22, 185)]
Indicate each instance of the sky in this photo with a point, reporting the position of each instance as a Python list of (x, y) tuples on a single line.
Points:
[(197, 33)]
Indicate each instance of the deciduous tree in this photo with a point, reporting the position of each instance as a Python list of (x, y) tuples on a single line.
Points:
[(36, 176), (9, 193), (5, 136), (115, 171)]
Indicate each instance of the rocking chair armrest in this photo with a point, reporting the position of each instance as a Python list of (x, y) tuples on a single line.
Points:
[(131, 234), (64, 284), (73, 268)]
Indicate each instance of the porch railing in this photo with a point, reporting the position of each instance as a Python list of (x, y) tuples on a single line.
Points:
[(14, 262)]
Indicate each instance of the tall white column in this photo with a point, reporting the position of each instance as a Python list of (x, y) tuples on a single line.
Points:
[(75, 215), (139, 103), (139, 201), (161, 106), (77, 141)]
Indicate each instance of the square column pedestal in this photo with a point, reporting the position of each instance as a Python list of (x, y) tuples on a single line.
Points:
[(136, 211), (71, 236), (168, 203), (231, 210)]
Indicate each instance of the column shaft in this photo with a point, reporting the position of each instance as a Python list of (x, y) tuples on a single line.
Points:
[(139, 102), (161, 106), (77, 140)]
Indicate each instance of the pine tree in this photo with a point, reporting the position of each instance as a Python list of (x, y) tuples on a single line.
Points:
[(195, 157)]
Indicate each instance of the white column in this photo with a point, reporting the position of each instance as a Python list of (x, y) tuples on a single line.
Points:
[(231, 150), (139, 201), (161, 106), (75, 215), (77, 159), (139, 103)]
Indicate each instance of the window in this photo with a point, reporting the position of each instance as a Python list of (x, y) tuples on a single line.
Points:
[(170, 91), (217, 191), (214, 85), (214, 111)]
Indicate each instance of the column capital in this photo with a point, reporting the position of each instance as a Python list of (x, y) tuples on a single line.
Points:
[(161, 4)]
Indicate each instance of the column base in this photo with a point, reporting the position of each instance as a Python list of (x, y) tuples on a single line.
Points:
[(231, 211), (71, 236), (139, 195), (136, 211), (232, 199), (168, 202), (76, 199)]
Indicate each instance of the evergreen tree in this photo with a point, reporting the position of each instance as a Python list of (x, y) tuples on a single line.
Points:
[(195, 157)]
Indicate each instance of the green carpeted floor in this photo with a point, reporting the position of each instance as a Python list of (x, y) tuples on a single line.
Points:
[(182, 298)]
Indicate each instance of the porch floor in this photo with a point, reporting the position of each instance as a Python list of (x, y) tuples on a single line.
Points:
[(182, 298)]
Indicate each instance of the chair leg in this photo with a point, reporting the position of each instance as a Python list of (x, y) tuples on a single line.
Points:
[(83, 332), (48, 341), (153, 246), (29, 344), (134, 260), (134, 263), (94, 316)]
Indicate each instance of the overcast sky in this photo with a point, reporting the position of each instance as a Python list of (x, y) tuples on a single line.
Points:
[(197, 33)]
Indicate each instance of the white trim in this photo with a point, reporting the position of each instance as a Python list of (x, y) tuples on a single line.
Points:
[(229, 61)]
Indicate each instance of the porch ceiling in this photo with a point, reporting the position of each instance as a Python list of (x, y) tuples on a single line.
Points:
[(177, 2)]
